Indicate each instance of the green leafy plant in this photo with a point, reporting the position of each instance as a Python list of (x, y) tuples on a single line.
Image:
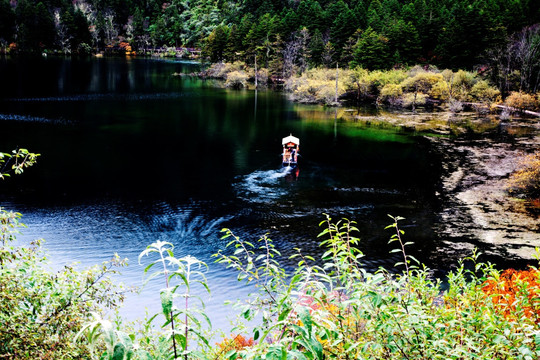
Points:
[(42, 310), (181, 324), (108, 343), (16, 162)]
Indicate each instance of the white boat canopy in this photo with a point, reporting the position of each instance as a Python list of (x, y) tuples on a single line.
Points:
[(290, 139)]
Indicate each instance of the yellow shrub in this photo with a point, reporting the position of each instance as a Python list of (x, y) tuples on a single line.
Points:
[(463, 78), (521, 101), (236, 79), (483, 92), (422, 82), (391, 91), (379, 78), (440, 90), (408, 99), (526, 180), (448, 75)]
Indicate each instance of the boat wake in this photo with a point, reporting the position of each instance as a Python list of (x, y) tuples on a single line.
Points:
[(262, 186)]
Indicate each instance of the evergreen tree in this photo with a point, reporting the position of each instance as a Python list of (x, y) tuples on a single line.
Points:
[(343, 27), (310, 15), (403, 41), (7, 22), (316, 49), (231, 47), (371, 51), (216, 43), (36, 26), (466, 35)]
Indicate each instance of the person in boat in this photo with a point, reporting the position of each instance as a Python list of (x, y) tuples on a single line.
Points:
[(293, 153)]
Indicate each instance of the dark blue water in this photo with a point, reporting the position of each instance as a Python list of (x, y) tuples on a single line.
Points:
[(132, 154)]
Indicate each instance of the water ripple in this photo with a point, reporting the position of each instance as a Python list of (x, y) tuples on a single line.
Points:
[(29, 118), (105, 97)]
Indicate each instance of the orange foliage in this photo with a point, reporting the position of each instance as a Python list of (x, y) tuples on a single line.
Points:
[(527, 178), (237, 342), (521, 101), (515, 285)]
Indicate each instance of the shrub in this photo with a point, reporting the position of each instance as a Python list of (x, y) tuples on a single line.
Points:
[(440, 90), (359, 82), (16, 162), (221, 70), (521, 101), (461, 83), (483, 92), (317, 86), (391, 93), (236, 342), (412, 100), (455, 106), (463, 79), (379, 78), (42, 310), (515, 293), (343, 312), (236, 79), (526, 180)]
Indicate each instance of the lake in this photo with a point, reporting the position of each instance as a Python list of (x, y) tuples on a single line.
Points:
[(132, 154)]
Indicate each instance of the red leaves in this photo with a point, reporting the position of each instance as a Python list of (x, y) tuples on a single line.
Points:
[(515, 292), (237, 342)]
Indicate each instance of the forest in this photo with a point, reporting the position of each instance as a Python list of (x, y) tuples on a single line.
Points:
[(376, 34)]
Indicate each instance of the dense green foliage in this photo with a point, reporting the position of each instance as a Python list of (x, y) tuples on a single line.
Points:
[(374, 33), (41, 309)]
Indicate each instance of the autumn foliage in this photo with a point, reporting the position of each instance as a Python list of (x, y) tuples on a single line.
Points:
[(515, 287), (236, 342), (526, 180)]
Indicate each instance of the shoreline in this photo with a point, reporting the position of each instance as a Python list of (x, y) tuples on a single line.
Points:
[(478, 154)]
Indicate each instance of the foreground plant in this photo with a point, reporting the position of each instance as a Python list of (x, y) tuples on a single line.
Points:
[(42, 310), (339, 311), (526, 180), (182, 325), (16, 162)]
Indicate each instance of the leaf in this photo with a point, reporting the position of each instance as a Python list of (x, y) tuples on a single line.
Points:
[(166, 302), (305, 317), (119, 352)]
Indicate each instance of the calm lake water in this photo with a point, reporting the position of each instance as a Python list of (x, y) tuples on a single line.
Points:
[(132, 154)]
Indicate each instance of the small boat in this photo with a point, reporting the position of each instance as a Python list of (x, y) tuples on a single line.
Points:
[(291, 147)]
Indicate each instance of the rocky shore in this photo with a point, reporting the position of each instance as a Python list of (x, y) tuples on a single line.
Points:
[(478, 154)]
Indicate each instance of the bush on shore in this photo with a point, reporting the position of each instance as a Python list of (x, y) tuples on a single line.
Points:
[(42, 310), (399, 88), (236, 79), (526, 180), (521, 101), (317, 86), (415, 87)]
